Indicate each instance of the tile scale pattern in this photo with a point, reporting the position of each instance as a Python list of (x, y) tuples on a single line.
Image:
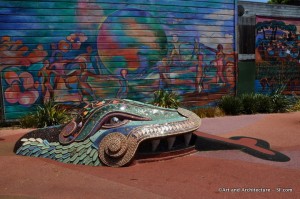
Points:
[(76, 153)]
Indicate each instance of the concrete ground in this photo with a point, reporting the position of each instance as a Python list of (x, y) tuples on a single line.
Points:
[(204, 174)]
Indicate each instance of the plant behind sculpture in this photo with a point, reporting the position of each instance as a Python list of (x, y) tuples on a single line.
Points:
[(231, 105), (281, 103), (250, 104), (48, 114), (295, 107), (264, 103), (166, 99), (209, 112)]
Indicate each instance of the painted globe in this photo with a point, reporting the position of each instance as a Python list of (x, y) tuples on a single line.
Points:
[(131, 39)]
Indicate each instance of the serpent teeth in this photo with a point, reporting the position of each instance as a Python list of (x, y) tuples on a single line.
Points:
[(39, 140), (187, 139), (26, 143), (155, 144), (171, 141), (31, 139)]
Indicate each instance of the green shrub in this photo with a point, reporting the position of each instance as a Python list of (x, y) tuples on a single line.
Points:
[(256, 103), (209, 112), (48, 114), (28, 121), (295, 106), (231, 105), (166, 99), (250, 103), (10, 124), (280, 103), (263, 103)]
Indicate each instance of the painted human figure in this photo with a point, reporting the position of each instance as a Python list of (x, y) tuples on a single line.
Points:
[(220, 63), (86, 56), (84, 86), (81, 76), (267, 83), (45, 76), (282, 51), (59, 67), (199, 66), (164, 72), (55, 51), (294, 53), (282, 54), (123, 90), (271, 50), (197, 48), (175, 52)]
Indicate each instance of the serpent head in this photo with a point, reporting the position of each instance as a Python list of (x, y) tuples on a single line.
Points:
[(118, 128)]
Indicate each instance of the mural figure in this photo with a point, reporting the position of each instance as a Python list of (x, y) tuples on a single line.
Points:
[(219, 63), (59, 66), (175, 50), (82, 74), (58, 50), (164, 73), (80, 77), (122, 92), (199, 65), (45, 81)]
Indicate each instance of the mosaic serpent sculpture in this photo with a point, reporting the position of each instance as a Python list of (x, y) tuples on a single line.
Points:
[(114, 132)]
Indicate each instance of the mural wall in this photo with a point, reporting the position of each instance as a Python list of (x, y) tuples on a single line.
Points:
[(277, 55), (76, 51)]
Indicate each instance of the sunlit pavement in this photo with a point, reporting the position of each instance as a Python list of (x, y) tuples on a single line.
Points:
[(204, 174)]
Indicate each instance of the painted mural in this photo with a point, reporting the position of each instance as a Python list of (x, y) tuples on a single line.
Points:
[(77, 51), (277, 55)]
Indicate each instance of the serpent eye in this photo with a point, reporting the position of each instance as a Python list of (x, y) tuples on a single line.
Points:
[(117, 119), (114, 120)]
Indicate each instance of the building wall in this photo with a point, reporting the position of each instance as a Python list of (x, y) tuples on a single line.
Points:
[(247, 40), (277, 54), (246, 23), (264, 9), (84, 50)]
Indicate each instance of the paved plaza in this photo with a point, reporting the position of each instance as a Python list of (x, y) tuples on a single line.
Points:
[(204, 174)]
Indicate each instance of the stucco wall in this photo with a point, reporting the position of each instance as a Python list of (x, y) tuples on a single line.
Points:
[(86, 50)]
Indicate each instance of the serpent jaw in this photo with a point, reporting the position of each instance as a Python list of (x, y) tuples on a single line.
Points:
[(150, 131)]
